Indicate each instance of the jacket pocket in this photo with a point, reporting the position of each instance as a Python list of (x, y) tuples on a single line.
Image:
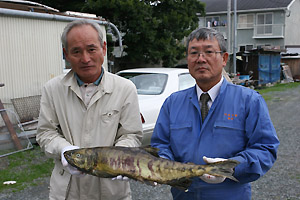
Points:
[(180, 139), (180, 126), (229, 136), (229, 125), (109, 116)]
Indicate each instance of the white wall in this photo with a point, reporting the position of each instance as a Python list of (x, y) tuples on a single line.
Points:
[(30, 55), (292, 28)]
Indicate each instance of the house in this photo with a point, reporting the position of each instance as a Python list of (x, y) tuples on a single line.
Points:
[(31, 51), (259, 23)]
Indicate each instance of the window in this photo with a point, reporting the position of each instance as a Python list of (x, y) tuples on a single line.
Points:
[(247, 47), (245, 21), (259, 46), (212, 21), (264, 23)]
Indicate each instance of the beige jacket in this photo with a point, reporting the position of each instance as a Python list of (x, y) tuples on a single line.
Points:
[(111, 118)]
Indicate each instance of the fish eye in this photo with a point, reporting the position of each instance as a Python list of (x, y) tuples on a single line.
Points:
[(78, 155)]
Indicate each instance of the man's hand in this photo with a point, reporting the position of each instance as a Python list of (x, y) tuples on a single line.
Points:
[(210, 178), (72, 170)]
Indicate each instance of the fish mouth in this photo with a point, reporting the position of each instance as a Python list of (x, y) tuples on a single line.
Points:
[(68, 156)]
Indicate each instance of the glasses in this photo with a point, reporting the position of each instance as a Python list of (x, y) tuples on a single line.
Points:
[(205, 54)]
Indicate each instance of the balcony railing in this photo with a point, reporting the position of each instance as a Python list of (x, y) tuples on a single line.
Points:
[(260, 31), (269, 31)]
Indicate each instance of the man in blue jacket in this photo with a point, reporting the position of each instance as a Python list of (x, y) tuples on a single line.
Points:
[(237, 125)]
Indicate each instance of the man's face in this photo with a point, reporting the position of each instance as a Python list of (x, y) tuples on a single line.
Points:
[(85, 53), (206, 68)]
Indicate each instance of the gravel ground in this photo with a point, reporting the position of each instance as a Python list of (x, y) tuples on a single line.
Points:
[(282, 182)]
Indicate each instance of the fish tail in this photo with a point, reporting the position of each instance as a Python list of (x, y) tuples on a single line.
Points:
[(223, 168)]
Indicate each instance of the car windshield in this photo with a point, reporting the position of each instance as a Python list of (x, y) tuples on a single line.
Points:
[(147, 83)]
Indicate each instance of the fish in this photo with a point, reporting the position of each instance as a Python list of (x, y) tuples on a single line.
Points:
[(144, 164)]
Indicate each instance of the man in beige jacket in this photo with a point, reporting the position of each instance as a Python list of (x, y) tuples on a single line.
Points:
[(88, 107)]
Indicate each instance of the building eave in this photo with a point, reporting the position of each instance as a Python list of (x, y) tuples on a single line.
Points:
[(245, 11)]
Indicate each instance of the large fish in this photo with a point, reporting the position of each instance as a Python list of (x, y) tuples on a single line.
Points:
[(143, 164)]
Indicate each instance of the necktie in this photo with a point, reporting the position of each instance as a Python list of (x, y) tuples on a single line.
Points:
[(204, 98)]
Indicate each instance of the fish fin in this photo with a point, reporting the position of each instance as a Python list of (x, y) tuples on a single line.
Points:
[(183, 183), (152, 150), (224, 168), (102, 174)]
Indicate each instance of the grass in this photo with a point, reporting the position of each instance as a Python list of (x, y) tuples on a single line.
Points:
[(277, 87), (25, 168)]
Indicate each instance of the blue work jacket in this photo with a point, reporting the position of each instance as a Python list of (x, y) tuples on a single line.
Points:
[(238, 126)]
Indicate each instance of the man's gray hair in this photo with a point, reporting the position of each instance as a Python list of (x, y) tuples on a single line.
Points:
[(80, 22), (206, 34)]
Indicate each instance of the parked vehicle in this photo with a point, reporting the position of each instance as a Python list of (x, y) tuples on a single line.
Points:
[(154, 85)]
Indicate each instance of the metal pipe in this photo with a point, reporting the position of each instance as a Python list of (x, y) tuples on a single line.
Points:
[(229, 26), (7, 154), (26, 14), (235, 37)]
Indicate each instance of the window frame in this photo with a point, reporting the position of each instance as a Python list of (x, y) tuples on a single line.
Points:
[(212, 17), (247, 25), (264, 25)]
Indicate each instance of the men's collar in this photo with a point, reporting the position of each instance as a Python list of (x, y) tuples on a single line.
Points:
[(213, 92), (97, 82)]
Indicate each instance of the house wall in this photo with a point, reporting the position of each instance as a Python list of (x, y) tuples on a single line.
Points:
[(292, 27), (30, 55), (245, 36)]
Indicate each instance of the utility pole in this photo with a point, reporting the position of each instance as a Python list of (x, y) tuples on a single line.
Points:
[(235, 37), (229, 26), (229, 32)]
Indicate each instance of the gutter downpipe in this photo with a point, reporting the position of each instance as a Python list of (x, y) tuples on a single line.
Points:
[(26, 14)]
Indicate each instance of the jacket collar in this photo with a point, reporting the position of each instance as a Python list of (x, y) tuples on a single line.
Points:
[(194, 98), (97, 82), (105, 86)]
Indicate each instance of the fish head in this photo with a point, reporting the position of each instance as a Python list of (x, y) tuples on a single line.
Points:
[(80, 159)]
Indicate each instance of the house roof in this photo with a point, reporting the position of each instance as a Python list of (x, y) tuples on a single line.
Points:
[(26, 5), (221, 5), (40, 8)]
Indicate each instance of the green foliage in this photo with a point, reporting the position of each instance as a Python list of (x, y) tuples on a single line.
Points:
[(153, 30), (264, 91), (25, 168), (62, 5), (278, 87), (110, 45)]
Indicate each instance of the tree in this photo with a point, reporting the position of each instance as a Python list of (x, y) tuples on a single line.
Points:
[(63, 5), (153, 30)]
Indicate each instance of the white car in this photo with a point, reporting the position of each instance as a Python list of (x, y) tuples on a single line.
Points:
[(154, 85)]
